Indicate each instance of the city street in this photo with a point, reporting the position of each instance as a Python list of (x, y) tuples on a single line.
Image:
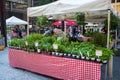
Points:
[(9, 73)]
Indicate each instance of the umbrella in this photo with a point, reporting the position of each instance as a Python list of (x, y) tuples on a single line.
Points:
[(71, 23), (68, 23), (57, 23)]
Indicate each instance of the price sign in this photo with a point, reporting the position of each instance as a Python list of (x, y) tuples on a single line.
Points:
[(36, 44), (55, 46), (26, 42), (98, 52)]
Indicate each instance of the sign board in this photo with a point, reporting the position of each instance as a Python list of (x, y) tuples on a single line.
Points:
[(55, 46), (98, 52)]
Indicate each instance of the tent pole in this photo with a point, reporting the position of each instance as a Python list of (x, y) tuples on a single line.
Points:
[(28, 25), (110, 62), (65, 28), (65, 24)]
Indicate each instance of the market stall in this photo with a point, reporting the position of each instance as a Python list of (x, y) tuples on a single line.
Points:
[(56, 9)]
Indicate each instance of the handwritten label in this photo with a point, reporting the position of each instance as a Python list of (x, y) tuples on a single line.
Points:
[(36, 44), (98, 52), (26, 42), (55, 46)]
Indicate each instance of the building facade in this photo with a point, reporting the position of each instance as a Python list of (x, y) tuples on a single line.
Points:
[(116, 5), (16, 8)]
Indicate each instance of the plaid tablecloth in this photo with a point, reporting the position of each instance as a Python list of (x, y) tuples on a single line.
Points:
[(58, 67)]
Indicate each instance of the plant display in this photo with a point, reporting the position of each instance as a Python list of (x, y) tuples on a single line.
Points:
[(114, 22), (78, 49), (97, 38)]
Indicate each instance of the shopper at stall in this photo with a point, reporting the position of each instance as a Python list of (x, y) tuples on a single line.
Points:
[(19, 32)]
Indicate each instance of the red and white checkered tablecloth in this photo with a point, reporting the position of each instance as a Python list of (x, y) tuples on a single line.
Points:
[(58, 67)]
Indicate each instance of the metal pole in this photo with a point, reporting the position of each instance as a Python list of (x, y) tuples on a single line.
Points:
[(108, 30), (65, 28), (28, 25), (110, 62), (116, 38), (3, 22)]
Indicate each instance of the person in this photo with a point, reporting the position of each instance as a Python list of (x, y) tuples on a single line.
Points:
[(19, 32), (104, 30), (72, 33)]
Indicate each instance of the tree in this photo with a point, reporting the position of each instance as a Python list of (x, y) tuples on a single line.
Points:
[(114, 22), (43, 2), (80, 18), (42, 21)]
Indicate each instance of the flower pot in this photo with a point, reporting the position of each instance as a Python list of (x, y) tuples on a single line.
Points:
[(53, 53), (87, 58), (64, 54), (60, 54), (73, 55), (93, 59), (56, 53), (105, 61), (98, 60), (69, 55), (77, 57), (82, 57)]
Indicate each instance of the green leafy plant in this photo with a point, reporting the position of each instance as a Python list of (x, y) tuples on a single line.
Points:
[(80, 18), (106, 53), (114, 21), (42, 21), (99, 39), (15, 42)]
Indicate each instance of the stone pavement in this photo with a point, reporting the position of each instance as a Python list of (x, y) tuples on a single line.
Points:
[(9, 73)]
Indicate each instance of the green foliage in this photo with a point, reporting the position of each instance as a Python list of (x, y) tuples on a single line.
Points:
[(64, 46), (43, 2), (114, 21), (15, 42), (33, 37), (63, 41), (79, 16), (106, 53), (99, 39), (42, 21)]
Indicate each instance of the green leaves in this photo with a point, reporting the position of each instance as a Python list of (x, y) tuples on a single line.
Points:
[(87, 49), (42, 21), (43, 2), (99, 39), (114, 21), (80, 18)]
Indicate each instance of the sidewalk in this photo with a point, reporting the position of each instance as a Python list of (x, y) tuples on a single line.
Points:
[(9, 73)]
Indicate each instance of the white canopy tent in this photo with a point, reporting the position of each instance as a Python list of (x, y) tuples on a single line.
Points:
[(71, 6), (66, 7), (15, 21)]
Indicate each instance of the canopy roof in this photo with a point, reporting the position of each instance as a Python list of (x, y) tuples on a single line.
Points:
[(70, 6), (15, 21)]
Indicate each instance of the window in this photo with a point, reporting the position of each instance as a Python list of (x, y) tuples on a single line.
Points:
[(118, 0), (113, 1)]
